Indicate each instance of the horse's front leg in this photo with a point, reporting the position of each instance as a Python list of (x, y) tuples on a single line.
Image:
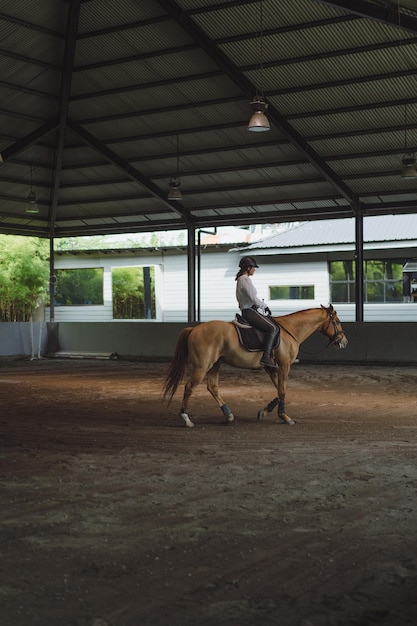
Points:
[(213, 388), (284, 370), (279, 379)]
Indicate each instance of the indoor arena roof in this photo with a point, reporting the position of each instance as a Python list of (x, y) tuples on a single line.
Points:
[(102, 102)]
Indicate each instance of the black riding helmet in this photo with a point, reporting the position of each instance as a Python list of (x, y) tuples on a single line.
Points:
[(246, 262)]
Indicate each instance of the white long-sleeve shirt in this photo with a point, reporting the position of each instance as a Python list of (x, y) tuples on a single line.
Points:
[(246, 294)]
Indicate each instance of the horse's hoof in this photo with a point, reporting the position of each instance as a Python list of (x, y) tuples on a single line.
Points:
[(187, 420), (261, 414), (230, 419), (287, 420)]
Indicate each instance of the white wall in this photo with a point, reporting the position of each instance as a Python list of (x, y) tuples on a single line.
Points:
[(218, 270)]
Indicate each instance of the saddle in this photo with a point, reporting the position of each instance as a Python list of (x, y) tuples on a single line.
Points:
[(250, 337)]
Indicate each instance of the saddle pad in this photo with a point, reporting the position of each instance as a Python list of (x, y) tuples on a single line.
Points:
[(250, 337)]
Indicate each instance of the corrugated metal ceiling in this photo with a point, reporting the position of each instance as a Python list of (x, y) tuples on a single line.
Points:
[(93, 96)]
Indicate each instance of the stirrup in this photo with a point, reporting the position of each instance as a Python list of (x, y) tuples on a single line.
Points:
[(268, 362)]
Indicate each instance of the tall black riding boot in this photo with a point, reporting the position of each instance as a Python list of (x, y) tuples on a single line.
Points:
[(266, 359)]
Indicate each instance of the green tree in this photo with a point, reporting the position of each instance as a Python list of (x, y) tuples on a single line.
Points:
[(129, 293), (24, 273)]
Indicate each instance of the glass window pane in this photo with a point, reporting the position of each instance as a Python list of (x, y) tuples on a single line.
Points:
[(291, 292), (75, 287)]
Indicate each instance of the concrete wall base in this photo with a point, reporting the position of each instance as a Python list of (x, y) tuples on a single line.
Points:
[(369, 342)]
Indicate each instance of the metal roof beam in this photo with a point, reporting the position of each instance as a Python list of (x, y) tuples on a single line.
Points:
[(149, 85), (387, 14), (30, 26), (65, 88), (29, 140), (133, 173), (23, 89), (29, 60)]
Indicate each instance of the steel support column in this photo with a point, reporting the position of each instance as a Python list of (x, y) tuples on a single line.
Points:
[(359, 265), (191, 266)]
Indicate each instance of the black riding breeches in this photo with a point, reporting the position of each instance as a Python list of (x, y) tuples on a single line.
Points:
[(260, 321)]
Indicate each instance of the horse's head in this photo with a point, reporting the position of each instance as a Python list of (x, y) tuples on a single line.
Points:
[(332, 328)]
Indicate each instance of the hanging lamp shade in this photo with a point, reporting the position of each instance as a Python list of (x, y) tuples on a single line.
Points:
[(258, 122), (409, 159), (31, 206), (409, 166), (174, 192)]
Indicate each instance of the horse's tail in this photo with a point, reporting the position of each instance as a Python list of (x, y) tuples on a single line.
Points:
[(178, 364)]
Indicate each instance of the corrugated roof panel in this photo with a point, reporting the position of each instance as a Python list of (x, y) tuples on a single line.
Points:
[(324, 75), (33, 44), (48, 14), (274, 193), (102, 14), (139, 40), (381, 184), (346, 96), (150, 100), (342, 231), (43, 82), (170, 68), (228, 21), (240, 18), (367, 143)]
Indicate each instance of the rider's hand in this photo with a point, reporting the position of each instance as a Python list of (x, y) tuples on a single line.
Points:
[(268, 310)]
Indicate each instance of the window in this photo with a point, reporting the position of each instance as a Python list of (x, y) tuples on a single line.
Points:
[(287, 292), (76, 287), (383, 281), (133, 293)]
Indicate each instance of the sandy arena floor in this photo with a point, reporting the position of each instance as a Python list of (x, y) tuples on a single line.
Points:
[(115, 514)]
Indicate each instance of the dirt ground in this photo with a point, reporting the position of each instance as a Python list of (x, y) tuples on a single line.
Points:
[(113, 513)]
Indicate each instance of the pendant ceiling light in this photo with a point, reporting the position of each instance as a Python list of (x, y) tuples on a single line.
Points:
[(31, 206), (259, 121), (174, 192), (409, 169)]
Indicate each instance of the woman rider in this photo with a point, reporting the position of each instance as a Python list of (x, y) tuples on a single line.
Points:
[(249, 303)]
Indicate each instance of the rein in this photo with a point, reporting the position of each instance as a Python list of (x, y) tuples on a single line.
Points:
[(288, 332)]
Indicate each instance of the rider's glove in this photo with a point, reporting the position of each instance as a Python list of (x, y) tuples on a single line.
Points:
[(267, 310)]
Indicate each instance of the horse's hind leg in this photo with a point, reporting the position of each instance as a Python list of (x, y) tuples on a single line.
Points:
[(213, 388), (194, 380)]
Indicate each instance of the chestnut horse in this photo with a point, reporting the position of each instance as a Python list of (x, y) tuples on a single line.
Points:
[(209, 344)]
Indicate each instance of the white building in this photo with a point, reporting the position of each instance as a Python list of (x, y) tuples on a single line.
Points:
[(295, 272)]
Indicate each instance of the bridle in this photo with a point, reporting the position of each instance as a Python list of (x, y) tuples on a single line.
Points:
[(335, 339)]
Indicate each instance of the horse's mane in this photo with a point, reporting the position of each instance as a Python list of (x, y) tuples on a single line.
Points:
[(307, 311)]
